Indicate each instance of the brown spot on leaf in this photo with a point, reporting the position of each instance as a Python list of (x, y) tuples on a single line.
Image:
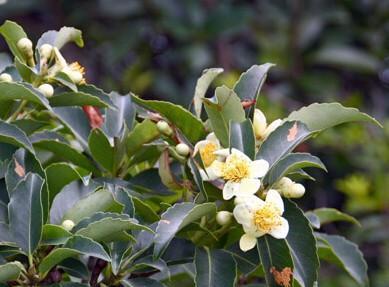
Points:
[(292, 133), (19, 169), (283, 277)]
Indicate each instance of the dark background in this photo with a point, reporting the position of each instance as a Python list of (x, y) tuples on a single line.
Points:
[(324, 50)]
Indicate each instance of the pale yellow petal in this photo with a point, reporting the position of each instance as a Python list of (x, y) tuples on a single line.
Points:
[(247, 242)]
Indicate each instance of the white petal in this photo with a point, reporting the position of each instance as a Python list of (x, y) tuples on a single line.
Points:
[(199, 145), (274, 197), (223, 152), (204, 175), (252, 230), (248, 187), (247, 242), (272, 127), (281, 231), (258, 168), (240, 154), (259, 124), (242, 214), (230, 189), (251, 202), (212, 138), (214, 170)]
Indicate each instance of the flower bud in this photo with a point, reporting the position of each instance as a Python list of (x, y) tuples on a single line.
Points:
[(223, 217), (25, 45), (298, 190), (182, 149), (5, 77), (46, 51), (68, 224), (164, 128), (259, 123), (46, 89)]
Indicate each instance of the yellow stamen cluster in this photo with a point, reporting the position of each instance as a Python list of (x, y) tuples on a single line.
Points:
[(75, 66), (267, 218), (235, 169), (207, 154)]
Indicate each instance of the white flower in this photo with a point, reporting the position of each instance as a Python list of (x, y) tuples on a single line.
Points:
[(261, 129), (260, 217), (207, 149), (241, 173)]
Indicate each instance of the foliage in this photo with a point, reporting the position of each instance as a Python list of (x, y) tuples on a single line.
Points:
[(115, 190)]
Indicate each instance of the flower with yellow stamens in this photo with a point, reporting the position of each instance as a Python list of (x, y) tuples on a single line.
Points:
[(240, 173), (260, 217), (75, 72)]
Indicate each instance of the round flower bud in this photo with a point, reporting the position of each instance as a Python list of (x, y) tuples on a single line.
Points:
[(25, 44), (5, 77), (223, 217), (68, 224), (298, 190), (182, 149), (46, 89), (45, 51), (259, 124), (164, 128)]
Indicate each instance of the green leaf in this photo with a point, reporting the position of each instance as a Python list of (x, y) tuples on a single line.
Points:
[(148, 262), (101, 200), (15, 136), (345, 254), (282, 141), (74, 246), (54, 235), (174, 219), (65, 80), (250, 83), (26, 213), (119, 251), (12, 33), (77, 99), (27, 73), (187, 123), (29, 126), (202, 86), (65, 152), (10, 271), (274, 253), (75, 119), (247, 261), (22, 91), (222, 109), (144, 211), (291, 163), (242, 137), (141, 282), (302, 245), (319, 117), (197, 178), (101, 149), (165, 172), (327, 215), (103, 226), (214, 268), (61, 37), (59, 175), (144, 132)]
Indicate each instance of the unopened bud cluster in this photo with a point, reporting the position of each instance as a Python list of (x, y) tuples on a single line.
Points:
[(290, 189)]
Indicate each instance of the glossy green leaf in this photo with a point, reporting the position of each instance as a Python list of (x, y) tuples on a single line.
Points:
[(54, 234), (327, 215), (10, 271), (101, 149), (15, 136), (282, 141), (19, 91), (290, 163), (242, 137), (143, 133), (274, 254), (174, 219), (144, 211), (147, 262), (66, 81), (12, 33), (61, 37), (27, 73), (104, 226), (141, 282), (59, 175), (326, 115), (187, 123), (222, 109), (101, 200), (247, 261), (29, 126), (345, 254), (202, 86), (26, 213), (77, 99), (250, 83), (214, 268), (302, 245), (119, 251), (74, 246)]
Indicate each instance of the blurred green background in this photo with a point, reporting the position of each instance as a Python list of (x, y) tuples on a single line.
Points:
[(324, 50)]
